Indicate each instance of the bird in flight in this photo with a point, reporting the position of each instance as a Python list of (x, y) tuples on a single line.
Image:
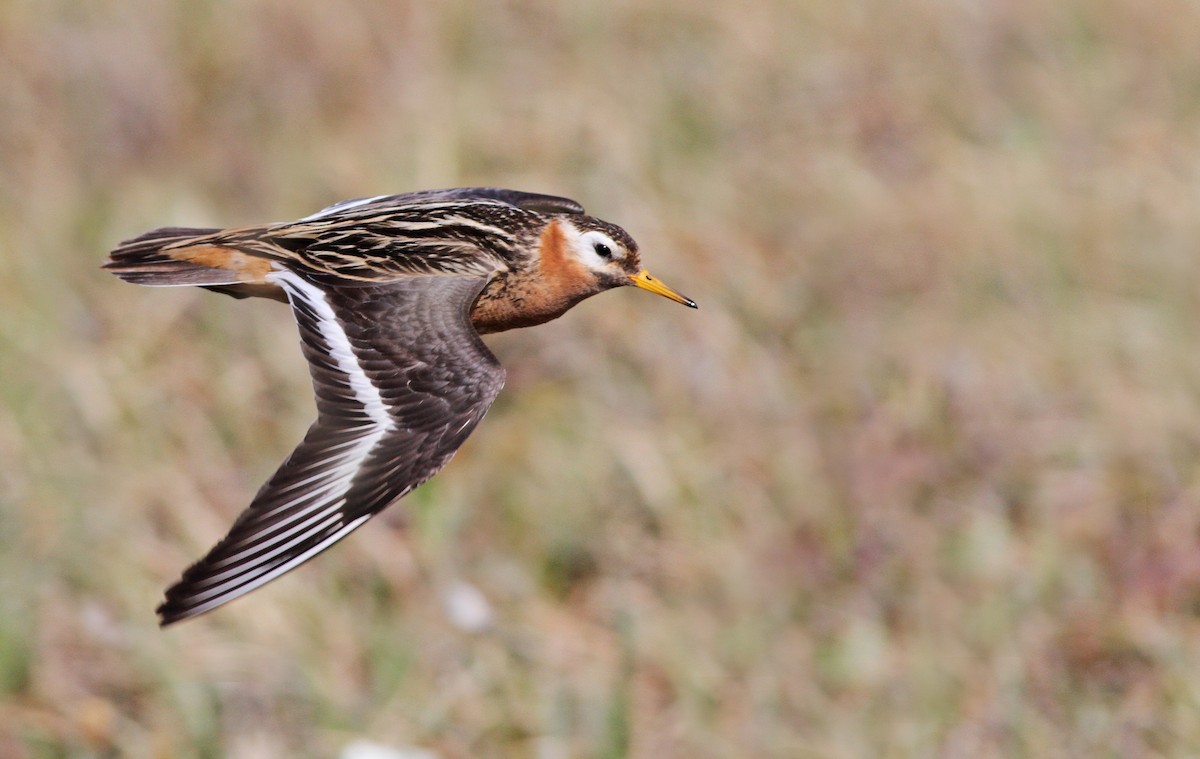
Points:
[(390, 295)]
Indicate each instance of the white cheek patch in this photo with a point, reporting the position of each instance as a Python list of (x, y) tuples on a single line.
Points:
[(584, 246)]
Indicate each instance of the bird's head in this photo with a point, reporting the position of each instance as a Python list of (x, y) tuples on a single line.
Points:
[(609, 256)]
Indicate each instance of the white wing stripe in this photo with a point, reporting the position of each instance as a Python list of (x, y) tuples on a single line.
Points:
[(339, 345), (345, 205)]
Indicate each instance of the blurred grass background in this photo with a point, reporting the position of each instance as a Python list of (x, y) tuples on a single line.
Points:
[(921, 478)]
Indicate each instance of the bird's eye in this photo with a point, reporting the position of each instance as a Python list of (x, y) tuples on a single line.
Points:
[(602, 250)]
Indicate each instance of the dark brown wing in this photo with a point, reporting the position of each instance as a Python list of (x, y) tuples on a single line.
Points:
[(401, 380)]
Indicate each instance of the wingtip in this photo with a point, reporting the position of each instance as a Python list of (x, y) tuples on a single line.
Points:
[(166, 617), (171, 610)]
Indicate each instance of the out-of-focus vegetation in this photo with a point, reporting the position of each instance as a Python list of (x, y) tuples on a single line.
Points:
[(921, 478)]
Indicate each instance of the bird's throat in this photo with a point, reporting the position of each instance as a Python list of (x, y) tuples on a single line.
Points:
[(550, 283)]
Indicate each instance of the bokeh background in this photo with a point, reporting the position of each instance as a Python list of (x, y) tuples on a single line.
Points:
[(920, 479)]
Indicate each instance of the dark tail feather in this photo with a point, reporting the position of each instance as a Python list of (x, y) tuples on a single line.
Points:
[(143, 262)]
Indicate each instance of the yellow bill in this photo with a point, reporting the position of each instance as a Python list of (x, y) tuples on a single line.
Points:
[(647, 282)]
